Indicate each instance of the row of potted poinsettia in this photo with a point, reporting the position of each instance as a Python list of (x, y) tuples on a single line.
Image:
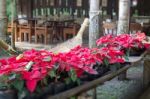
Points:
[(43, 71)]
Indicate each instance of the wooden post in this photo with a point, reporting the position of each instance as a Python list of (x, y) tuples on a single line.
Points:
[(3, 20), (146, 72), (124, 16), (94, 27)]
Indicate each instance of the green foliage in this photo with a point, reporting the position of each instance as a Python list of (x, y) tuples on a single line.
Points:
[(106, 62), (126, 56), (73, 75), (9, 9), (18, 84), (54, 74), (3, 85)]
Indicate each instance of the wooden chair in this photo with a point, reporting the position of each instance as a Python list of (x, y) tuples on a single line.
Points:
[(43, 32), (25, 32), (135, 27), (109, 28), (13, 29), (70, 30)]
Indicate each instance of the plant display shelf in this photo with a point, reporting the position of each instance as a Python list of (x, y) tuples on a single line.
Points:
[(93, 84)]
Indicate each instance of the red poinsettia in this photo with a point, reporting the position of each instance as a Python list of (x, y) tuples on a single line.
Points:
[(105, 40), (33, 66), (80, 59)]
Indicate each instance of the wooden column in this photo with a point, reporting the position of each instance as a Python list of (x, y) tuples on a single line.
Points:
[(94, 22), (124, 16)]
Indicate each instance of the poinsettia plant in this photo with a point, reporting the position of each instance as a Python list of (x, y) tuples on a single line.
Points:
[(24, 72), (31, 68), (124, 41)]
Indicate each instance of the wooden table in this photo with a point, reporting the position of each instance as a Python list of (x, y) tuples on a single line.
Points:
[(57, 26)]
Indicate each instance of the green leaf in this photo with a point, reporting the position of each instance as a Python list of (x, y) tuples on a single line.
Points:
[(18, 84), (3, 86), (74, 97), (67, 80), (3, 78), (52, 73), (73, 75), (126, 57), (45, 81), (12, 76), (106, 62), (78, 82)]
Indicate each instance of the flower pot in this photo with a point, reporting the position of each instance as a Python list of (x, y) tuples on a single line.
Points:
[(136, 51), (59, 87), (113, 68), (84, 77), (45, 92), (8, 94), (48, 90), (31, 96), (102, 70), (71, 85)]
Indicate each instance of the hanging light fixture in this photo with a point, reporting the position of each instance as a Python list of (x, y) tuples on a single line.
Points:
[(134, 3)]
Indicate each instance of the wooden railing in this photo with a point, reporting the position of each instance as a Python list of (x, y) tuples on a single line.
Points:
[(95, 83)]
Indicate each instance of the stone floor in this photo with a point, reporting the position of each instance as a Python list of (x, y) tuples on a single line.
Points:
[(26, 45), (128, 89)]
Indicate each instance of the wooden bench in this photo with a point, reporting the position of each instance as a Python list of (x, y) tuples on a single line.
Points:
[(109, 28)]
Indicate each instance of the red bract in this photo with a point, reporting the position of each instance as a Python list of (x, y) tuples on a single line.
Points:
[(31, 85), (123, 40), (147, 46), (112, 54), (104, 40), (3, 62), (139, 36), (78, 58)]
